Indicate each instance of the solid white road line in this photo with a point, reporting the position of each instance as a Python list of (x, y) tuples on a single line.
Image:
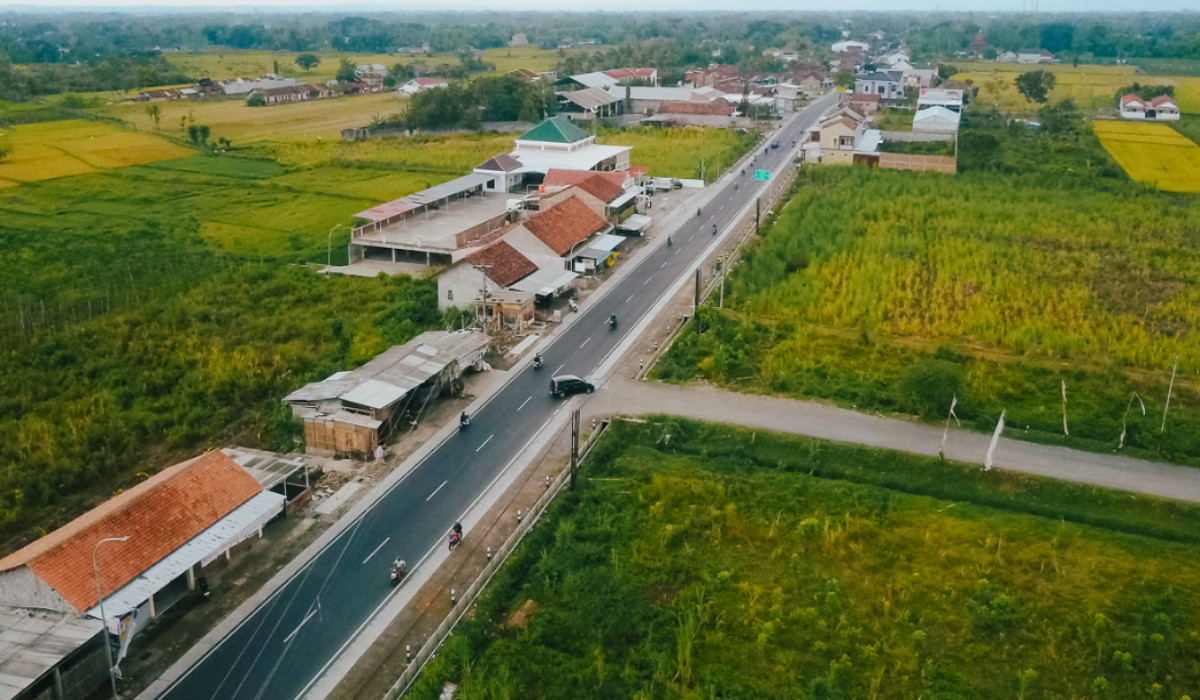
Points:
[(306, 619), (439, 488), (524, 402), (376, 550), (485, 442)]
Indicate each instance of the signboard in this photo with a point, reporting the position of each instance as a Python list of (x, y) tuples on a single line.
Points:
[(762, 175)]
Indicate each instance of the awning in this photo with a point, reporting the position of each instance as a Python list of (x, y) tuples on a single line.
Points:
[(624, 199), (545, 282), (242, 523), (449, 189), (608, 242), (635, 222)]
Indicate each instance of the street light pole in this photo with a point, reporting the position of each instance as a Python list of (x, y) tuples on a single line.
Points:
[(103, 620), (329, 248)]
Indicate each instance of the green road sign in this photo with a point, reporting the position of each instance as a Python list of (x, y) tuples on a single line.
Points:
[(762, 174)]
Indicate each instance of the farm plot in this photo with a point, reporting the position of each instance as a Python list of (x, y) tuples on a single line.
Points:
[(59, 149), (1088, 86), (1153, 153), (234, 120), (926, 288)]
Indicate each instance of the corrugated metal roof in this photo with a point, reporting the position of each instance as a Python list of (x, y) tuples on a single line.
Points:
[(374, 394), (590, 98), (448, 189), (545, 281), (239, 525), (388, 209), (635, 222), (397, 370), (33, 641)]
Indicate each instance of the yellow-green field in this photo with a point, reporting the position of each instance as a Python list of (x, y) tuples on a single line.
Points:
[(57, 149), (232, 64), (1089, 86), (241, 124), (1153, 153)]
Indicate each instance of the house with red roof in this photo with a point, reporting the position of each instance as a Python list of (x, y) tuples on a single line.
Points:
[(492, 268), (1161, 108), (157, 539)]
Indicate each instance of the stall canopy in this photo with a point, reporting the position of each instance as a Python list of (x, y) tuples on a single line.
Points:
[(545, 282), (602, 248), (635, 222)]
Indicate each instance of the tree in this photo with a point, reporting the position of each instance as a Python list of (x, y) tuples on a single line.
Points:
[(308, 61), (256, 99), (844, 78), (345, 72), (155, 113), (198, 133), (1035, 85)]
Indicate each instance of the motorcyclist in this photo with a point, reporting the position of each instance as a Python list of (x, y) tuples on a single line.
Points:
[(537, 360), (714, 229), (464, 420), (612, 321), (399, 568), (697, 211)]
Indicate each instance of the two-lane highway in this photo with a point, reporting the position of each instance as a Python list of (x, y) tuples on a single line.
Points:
[(281, 647)]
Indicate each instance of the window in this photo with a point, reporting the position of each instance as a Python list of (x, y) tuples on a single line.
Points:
[(845, 142), (449, 295)]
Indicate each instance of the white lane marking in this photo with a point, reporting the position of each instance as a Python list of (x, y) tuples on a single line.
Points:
[(647, 281), (691, 236), (524, 402), (376, 550), (558, 369), (439, 488), (306, 619), (659, 267), (485, 442), (580, 347), (631, 295)]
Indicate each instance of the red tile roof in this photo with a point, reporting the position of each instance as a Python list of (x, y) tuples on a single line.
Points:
[(159, 515), (864, 97), (565, 224), (714, 108), (1162, 100), (626, 73), (508, 266), (605, 186)]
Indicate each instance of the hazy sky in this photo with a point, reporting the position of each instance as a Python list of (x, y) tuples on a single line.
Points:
[(626, 5)]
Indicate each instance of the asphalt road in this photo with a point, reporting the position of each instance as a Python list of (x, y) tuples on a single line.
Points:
[(279, 650)]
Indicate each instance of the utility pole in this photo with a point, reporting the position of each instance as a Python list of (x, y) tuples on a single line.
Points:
[(574, 446), (757, 213), (483, 293)]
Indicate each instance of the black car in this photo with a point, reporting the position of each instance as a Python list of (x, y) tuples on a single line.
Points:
[(569, 385), (774, 144)]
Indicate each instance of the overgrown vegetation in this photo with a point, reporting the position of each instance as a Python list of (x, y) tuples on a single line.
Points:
[(706, 561), (994, 287)]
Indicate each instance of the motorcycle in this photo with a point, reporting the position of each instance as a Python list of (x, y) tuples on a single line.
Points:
[(398, 570), (463, 421), (612, 322), (537, 361), (455, 536)]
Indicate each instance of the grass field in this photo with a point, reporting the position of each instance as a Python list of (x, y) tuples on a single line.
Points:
[(679, 152), (1153, 153), (701, 561), (57, 149), (234, 120)]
